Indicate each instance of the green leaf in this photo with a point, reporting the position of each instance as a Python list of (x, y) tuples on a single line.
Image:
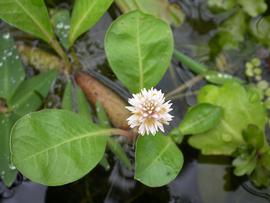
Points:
[(67, 97), (61, 23), (55, 147), (240, 108), (113, 145), (253, 8), (253, 136), (169, 12), (200, 119), (30, 94), (232, 31), (260, 29), (7, 171), (158, 160), (244, 164), (221, 4), (74, 100), (11, 70), (85, 14), (139, 49), (28, 15)]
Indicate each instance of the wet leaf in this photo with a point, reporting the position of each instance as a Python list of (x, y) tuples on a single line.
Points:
[(11, 70), (158, 160), (29, 16), (240, 109), (61, 23), (7, 171), (30, 94), (139, 49), (55, 147), (85, 14), (200, 119), (169, 12)]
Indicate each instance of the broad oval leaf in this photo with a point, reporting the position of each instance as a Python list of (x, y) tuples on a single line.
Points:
[(30, 94), (11, 70), (158, 160), (139, 48), (200, 118), (240, 108), (85, 14), (28, 15), (55, 147)]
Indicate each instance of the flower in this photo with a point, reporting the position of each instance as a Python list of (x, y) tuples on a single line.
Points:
[(149, 111)]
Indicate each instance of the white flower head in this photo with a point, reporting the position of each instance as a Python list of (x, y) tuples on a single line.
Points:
[(149, 111)]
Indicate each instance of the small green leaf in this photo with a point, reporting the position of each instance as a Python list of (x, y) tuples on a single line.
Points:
[(253, 8), (158, 160), (61, 23), (240, 108), (253, 136), (28, 15), (139, 49), (260, 29), (30, 94), (67, 97), (200, 119), (244, 164), (55, 147), (232, 31), (7, 171), (74, 100), (11, 70), (85, 14), (104, 163)]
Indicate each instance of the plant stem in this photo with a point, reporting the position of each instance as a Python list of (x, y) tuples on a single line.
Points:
[(126, 133), (75, 57), (59, 50), (190, 63), (198, 68), (184, 86)]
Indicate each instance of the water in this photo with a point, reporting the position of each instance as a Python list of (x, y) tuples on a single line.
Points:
[(202, 179)]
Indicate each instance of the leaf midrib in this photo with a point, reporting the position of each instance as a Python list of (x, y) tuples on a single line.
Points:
[(47, 35), (90, 134)]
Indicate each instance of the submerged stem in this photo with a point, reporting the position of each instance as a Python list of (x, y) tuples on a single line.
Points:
[(184, 86)]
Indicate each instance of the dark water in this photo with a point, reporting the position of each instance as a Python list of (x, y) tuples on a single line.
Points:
[(202, 179)]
